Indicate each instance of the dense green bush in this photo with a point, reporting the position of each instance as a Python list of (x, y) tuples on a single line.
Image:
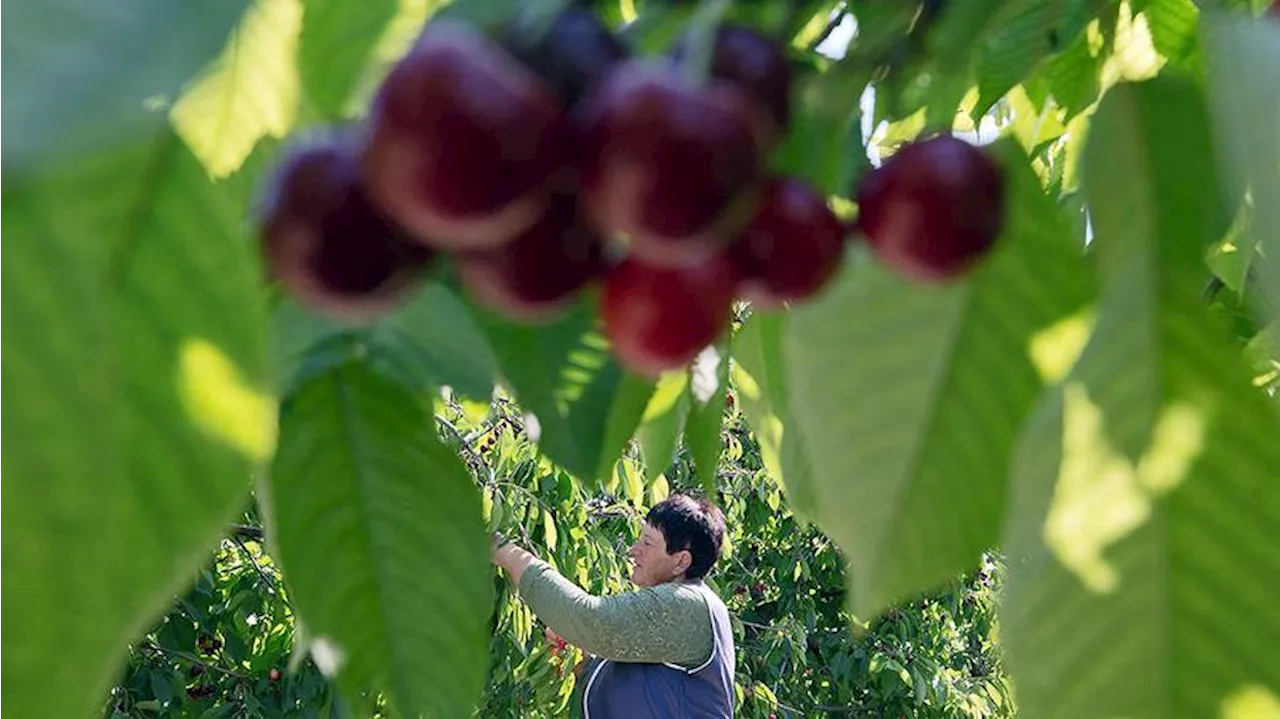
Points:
[(225, 648)]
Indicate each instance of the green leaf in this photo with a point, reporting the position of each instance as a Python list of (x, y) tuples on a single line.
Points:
[(890, 137), (825, 124), (1015, 47), (659, 490), (960, 27), (908, 396), (632, 483), (1169, 125), (759, 375), (337, 38), (808, 20), (135, 366), (1144, 493), (563, 374), (549, 534), (1244, 61), (250, 92), (430, 341), (1013, 51), (161, 687), (1231, 258), (1175, 31), (663, 422), (881, 28), (219, 711), (88, 66), (628, 407), (378, 529), (1073, 76), (235, 647), (708, 386)]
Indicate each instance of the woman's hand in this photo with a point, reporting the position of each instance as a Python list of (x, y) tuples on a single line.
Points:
[(498, 542), (555, 639), (510, 557)]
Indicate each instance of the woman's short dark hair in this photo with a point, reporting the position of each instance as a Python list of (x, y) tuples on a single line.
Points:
[(690, 524)]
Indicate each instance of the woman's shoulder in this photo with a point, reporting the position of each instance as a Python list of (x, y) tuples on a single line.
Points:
[(686, 594)]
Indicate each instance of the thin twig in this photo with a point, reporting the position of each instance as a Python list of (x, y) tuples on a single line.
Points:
[(248, 531), (528, 493), (193, 659), (480, 433), (466, 445), (271, 585), (836, 20), (610, 513), (847, 711), (757, 625)]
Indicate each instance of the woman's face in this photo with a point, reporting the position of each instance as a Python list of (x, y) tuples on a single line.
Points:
[(651, 565)]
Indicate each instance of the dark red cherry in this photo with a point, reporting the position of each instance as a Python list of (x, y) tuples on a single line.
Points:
[(659, 318), (539, 272), (792, 247), (669, 162), (464, 141), (327, 243), (934, 209), (755, 63), (572, 55)]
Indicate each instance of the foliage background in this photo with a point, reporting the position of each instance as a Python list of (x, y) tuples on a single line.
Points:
[(783, 580)]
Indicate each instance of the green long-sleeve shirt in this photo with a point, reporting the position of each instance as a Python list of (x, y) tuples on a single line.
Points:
[(667, 623)]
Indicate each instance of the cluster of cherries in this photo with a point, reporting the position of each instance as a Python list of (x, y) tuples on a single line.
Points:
[(544, 161)]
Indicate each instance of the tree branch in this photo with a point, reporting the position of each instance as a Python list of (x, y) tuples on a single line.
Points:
[(757, 625), (193, 659), (832, 24), (475, 459), (271, 585), (247, 531)]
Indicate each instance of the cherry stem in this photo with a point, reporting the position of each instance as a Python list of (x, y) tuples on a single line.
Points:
[(702, 39)]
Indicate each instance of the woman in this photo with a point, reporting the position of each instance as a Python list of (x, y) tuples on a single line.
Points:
[(665, 649)]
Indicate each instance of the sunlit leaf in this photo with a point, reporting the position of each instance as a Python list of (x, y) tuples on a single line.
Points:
[(337, 38), (82, 70), (380, 533), (760, 378), (663, 423), (137, 406), (708, 384), (1072, 76), (825, 118), (908, 396), (250, 92), (1175, 32), (563, 373), (1015, 47), (430, 341), (1143, 514), (1245, 73)]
